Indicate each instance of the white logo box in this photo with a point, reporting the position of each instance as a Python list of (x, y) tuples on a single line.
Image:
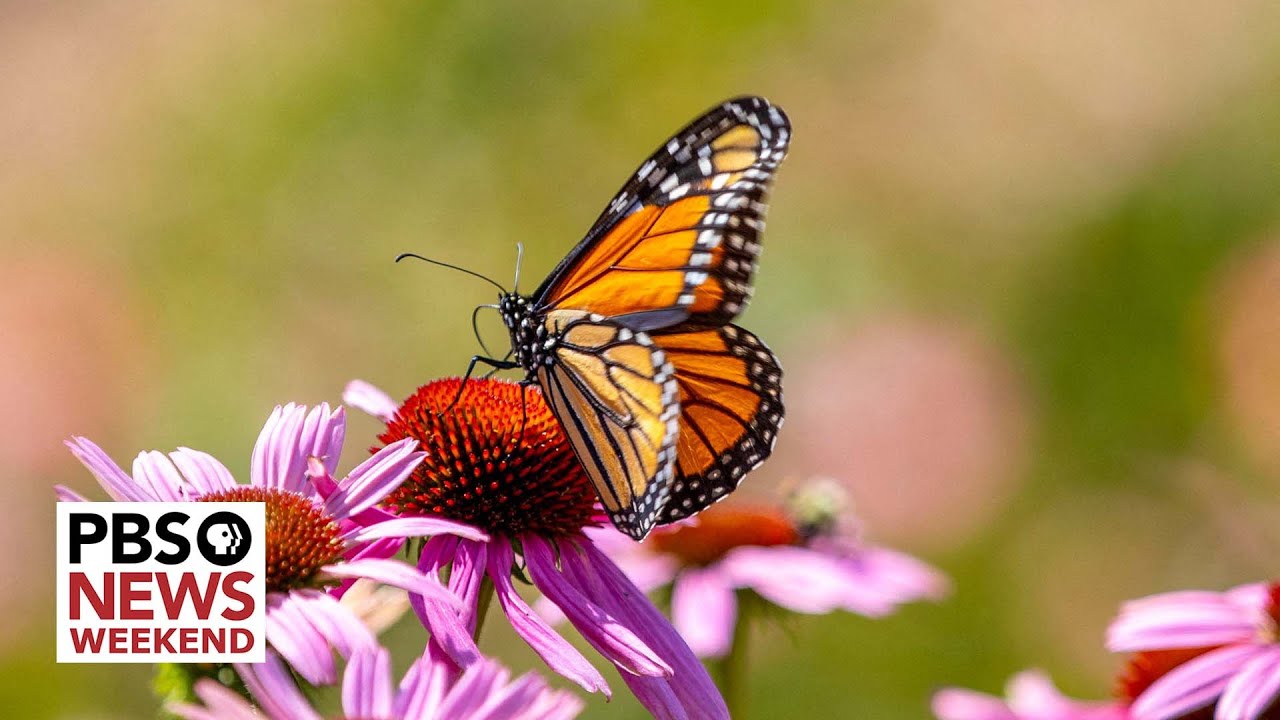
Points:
[(166, 600)]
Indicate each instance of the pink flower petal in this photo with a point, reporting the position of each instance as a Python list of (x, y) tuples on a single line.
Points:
[(689, 680), (423, 688), (540, 702), (1253, 595), (614, 543), (297, 641), (275, 690), (275, 452), (411, 527), (66, 494), (202, 471), (559, 655), (895, 576), (704, 608), (957, 704), (1031, 696), (115, 481), (397, 574), (195, 712), (337, 624), (1190, 623), (154, 471), (1032, 693), (797, 578), (1253, 689), (603, 631), (472, 690), (451, 630), (648, 569), (369, 399), (529, 698), (384, 548), (374, 479), (366, 685), (358, 547), (220, 703), (326, 487), (322, 434), (1194, 684)]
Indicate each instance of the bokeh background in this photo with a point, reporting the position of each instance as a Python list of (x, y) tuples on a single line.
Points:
[(1022, 268)]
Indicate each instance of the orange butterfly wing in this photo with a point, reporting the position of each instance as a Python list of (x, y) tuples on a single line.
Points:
[(681, 241), (730, 411), (615, 394)]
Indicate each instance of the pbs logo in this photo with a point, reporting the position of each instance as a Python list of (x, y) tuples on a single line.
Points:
[(224, 538)]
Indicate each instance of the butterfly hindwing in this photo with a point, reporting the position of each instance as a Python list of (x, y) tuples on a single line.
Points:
[(730, 411), (615, 393), (680, 241)]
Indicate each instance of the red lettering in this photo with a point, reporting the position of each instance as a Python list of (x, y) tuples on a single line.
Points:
[(118, 641), (164, 640), (84, 637), (129, 595), (104, 605), (235, 594), (241, 640), (187, 588), (214, 640), (139, 641), (188, 639)]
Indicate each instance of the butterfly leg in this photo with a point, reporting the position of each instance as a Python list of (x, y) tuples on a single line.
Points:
[(524, 406), (471, 368), (493, 371)]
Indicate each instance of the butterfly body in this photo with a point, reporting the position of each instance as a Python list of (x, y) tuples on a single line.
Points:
[(665, 401), (530, 343)]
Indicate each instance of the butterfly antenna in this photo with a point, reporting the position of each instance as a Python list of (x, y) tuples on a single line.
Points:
[(475, 327), (515, 286), (472, 273)]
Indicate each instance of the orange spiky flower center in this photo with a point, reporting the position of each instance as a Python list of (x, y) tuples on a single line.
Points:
[(301, 536), (721, 528), (496, 459)]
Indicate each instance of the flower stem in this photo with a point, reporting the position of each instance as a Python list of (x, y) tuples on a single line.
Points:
[(733, 666), (482, 604)]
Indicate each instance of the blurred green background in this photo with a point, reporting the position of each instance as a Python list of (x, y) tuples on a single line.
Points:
[(1022, 267)]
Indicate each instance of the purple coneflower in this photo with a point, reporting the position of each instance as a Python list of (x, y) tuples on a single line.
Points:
[(807, 559), (309, 536), (1202, 654), (1030, 695), (498, 460), (428, 691)]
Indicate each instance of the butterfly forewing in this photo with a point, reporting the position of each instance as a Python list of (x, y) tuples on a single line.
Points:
[(615, 393), (680, 241), (730, 412)]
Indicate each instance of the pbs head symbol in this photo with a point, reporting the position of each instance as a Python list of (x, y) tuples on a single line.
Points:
[(224, 538)]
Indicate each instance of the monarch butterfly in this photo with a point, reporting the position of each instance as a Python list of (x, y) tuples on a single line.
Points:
[(666, 403)]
